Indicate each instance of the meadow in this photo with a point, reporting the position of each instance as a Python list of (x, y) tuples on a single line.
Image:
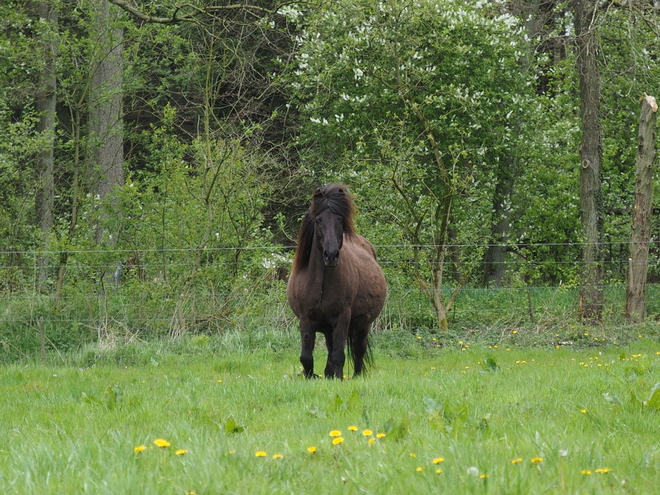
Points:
[(460, 418)]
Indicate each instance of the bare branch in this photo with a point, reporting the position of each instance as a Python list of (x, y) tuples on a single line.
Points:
[(192, 11)]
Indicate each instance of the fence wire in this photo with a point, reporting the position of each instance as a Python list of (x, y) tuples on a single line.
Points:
[(88, 295)]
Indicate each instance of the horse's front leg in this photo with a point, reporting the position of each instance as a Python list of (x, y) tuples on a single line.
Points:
[(307, 338), (329, 368), (337, 356)]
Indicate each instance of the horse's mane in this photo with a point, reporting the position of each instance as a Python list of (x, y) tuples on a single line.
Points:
[(337, 199)]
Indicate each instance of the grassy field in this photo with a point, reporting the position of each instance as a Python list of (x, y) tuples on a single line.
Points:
[(459, 419)]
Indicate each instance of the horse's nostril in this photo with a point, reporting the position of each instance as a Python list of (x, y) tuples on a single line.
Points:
[(331, 258)]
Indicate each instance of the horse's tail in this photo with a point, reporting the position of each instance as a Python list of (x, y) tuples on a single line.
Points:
[(359, 352)]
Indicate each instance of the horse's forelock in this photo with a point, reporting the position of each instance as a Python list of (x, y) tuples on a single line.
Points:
[(338, 200)]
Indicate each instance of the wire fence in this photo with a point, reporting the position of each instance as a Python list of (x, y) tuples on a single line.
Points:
[(62, 298)]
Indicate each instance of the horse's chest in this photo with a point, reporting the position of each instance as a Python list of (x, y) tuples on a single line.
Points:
[(321, 301)]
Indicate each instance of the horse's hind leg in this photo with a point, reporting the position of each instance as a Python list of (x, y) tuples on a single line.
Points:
[(307, 338), (359, 348)]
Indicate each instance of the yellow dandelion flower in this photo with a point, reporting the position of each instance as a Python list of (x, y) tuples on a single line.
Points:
[(367, 433), (536, 460), (516, 460), (352, 428), (181, 452), (419, 469), (232, 452), (483, 476), (335, 433), (337, 440), (278, 456), (438, 471), (583, 411), (161, 443), (438, 460), (586, 472), (603, 470), (311, 450), (219, 381), (412, 455), (260, 453), (381, 435), (372, 441), (139, 448)]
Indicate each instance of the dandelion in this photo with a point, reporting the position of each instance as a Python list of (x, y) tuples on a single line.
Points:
[(603, 470), (367, 433), (483, 476), (161, 443), (337, 440), (139, 448), (438, 471), (335, 433), (381, 435), (352, 428), (219, 381), (583, 411), (586, 472), (438, 460), (278, 456), (181, 452), (536, 460), (260, 453), (412, 455), (516, 460), (372, 441), (419, 469), (311, 450)]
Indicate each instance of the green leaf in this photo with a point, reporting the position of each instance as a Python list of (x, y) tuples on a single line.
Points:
[(113, 396), (232, 427), (397, 430), (654, 400), (489, 364)]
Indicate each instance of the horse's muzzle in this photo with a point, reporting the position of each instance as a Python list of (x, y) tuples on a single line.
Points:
[(331, 259)]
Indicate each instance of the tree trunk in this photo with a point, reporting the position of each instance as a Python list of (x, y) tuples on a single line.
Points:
[(641, 228), (105, 106), (495, 267), (45, 105), (591, 290)]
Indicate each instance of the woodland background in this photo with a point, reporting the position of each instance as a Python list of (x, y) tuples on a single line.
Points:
[(156, 158)]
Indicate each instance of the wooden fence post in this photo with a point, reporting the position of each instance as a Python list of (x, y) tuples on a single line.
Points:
[(641, 227)]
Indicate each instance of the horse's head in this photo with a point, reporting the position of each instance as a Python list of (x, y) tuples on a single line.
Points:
[(332, 210), (329, 234)]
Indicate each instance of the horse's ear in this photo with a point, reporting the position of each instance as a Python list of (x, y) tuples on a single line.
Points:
[(319, 193)]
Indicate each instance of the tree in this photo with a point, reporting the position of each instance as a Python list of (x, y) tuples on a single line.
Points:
[(46, 101), (105, 134), (591, 152), (641, 227), (406, 103)]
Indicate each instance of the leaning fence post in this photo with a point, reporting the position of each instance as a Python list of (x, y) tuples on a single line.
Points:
[(641, 226)]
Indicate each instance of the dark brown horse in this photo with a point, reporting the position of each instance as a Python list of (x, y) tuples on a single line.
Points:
[(336, 286)]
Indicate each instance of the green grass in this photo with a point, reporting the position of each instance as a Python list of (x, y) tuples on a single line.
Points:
[(74, 428)]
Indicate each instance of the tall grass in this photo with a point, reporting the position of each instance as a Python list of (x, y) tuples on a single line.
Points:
[(504, 419)]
